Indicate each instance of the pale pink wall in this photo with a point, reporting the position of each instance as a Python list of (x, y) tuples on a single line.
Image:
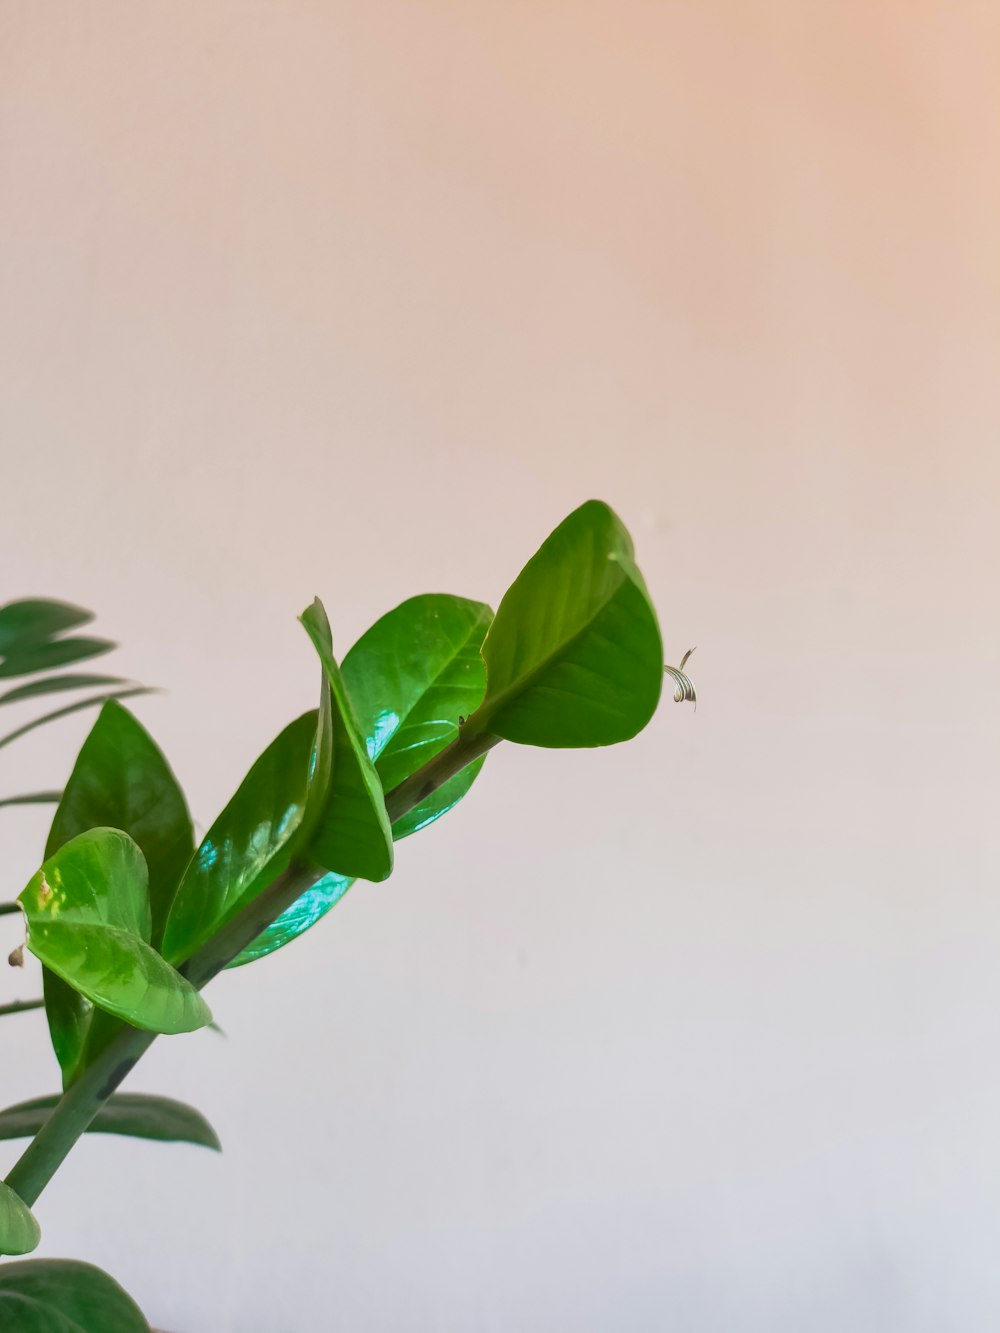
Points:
[(359, 299)]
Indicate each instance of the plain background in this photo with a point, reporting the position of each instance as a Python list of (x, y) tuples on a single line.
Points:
[(700, 1033)]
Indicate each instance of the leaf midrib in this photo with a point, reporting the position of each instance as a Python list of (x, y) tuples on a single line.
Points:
[(489, 708)]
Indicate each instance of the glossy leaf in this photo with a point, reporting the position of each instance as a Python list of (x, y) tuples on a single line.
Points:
[(353, 837), (56, 685), (297, 919), (439, 803), (88, 920), (121, 780), (63, 1296), (137, 1115), (35, 619), (574, 657), (19, 1233), (248, 846), (412, 676)]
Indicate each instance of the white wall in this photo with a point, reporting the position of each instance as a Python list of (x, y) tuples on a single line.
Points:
[(702, 1033)]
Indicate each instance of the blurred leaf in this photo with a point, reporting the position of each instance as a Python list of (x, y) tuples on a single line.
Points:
[(56, 684), (120, 780), (35, 619), (353, 837), (32, 657), (573, 657), (19, 1233), (80, 704), (62, 1296), (33, 798), (88, 919), (137, 1115), (250, 843)]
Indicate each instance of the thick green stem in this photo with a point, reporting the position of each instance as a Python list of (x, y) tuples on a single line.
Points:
[(436, 772), (84, 1098)]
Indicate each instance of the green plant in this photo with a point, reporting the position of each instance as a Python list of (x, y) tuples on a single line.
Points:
[(130, 920)]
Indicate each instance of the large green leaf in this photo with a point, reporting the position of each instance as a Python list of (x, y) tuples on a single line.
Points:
[(120, 780), (88, 920), (250, 843), (138, 1115), (63, 1296), (19, 1233), (353, 837), (410, 678), (574, 657)]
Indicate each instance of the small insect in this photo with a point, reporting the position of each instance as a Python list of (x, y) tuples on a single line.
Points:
[(16, 956)]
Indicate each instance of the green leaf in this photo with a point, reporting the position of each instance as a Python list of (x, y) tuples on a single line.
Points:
[(32, 657), (35, 619), (88, 920), (137, 1115), (353, 837), (63, 1296), (19, 1233), (294, 921), (410, 678), (121, 780), (413, 675), (33, 798), (574, 656), (250, 843), (438, 803), (55, 685)]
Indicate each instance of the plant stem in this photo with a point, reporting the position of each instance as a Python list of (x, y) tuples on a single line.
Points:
[(8, 909), (436, 772), (84, 1098), (20, 1006)]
